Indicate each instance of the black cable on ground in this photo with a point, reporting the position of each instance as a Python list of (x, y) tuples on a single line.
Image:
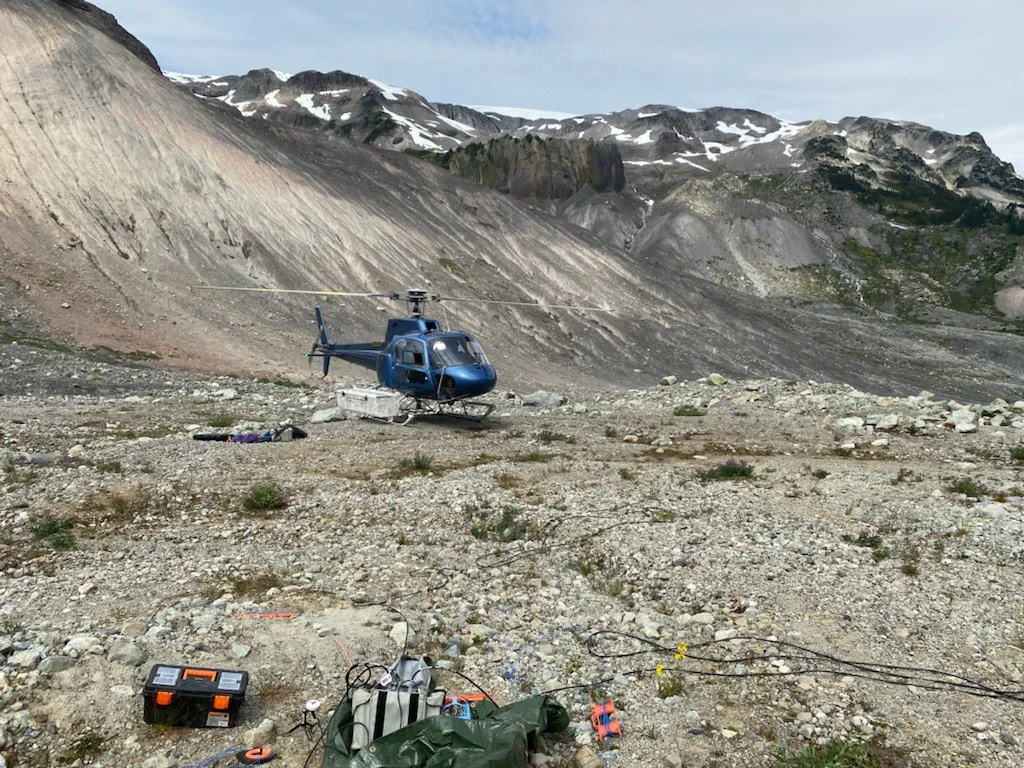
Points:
[(822, 663)]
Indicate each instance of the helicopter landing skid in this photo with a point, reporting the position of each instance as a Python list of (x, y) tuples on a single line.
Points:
[(458, 409)]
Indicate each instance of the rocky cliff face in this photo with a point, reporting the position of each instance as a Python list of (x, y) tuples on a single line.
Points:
[(107, 24), (533, 168)]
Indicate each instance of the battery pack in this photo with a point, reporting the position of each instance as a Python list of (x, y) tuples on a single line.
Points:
[(193, 696)]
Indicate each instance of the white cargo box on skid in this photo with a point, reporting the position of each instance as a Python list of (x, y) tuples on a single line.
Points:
[(371, 402)]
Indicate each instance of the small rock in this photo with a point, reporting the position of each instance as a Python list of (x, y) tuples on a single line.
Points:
[(160, 761), (402, 635), (328, 414), (240, 651), (27, 659), (126, 652), (717, 379), (134, 629), (261, 735), (51, 665), (668, 381)]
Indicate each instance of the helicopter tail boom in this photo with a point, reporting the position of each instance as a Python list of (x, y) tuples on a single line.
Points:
[(365, 355)]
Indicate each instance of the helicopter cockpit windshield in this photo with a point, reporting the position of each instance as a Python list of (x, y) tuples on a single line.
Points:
[(452, 351)]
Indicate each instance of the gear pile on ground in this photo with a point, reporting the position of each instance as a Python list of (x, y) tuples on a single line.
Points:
[(878, 529)]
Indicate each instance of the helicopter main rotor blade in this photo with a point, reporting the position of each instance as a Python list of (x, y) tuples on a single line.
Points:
[(541, 304), (292, 290)]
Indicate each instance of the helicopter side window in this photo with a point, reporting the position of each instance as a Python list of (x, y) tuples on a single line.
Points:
[(410, 356)]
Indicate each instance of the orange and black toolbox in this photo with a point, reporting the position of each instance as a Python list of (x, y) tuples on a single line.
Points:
[(192, 696)]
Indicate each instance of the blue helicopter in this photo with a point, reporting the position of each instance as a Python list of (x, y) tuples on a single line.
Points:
[(437, 370)]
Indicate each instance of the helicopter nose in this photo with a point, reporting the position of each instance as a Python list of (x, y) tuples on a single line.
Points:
[(472, 380)]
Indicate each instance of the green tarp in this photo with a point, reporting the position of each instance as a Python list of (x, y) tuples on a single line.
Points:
[(497, 737)]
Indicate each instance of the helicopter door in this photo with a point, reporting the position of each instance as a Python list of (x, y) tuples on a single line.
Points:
[(410, 362)]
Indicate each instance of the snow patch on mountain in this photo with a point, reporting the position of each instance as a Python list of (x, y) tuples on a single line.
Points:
[(306, 102), (391, 92), (182, 79), (467, 129), (339, 92), (284, 77), (418, 134), (271, 99)]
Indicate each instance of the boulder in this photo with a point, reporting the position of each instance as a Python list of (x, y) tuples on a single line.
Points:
[(544, 399)]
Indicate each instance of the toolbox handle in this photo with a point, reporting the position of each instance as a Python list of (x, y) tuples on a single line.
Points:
[(209, 674)]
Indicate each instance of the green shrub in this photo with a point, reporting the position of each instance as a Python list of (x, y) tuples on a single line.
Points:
[(263, 497), (1017, 453), (820, 474), (688, 410), (547, 436), (418, 463), (731, 470), (221, 420), (835, 754), (56, 531), (968, 487)]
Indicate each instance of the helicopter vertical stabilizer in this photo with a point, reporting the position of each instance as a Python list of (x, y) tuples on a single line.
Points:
[(324, 343)]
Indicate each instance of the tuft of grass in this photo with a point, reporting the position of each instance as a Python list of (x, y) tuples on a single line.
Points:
[(508, 526), (864, 539), (56, 531), (221, 420), (669, 685), (281, 383), (538, 457), (88, 746), (820, 474), (263, 497), (610, 431), (838, 754), (627, 474), (688, 411), (664, 516), (14, 477), (731, 470), (905, 475), (420, 462), (547, 436), (968, 487), (508, 481), (1017, 453), (254, 586), (587, 566)]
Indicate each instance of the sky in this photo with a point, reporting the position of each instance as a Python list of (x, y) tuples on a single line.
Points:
[(953, 65)]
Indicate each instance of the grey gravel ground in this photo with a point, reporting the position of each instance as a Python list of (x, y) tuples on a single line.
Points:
[(123, 542)]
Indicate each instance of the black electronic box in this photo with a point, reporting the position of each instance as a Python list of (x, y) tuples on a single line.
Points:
[(193, 696)]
